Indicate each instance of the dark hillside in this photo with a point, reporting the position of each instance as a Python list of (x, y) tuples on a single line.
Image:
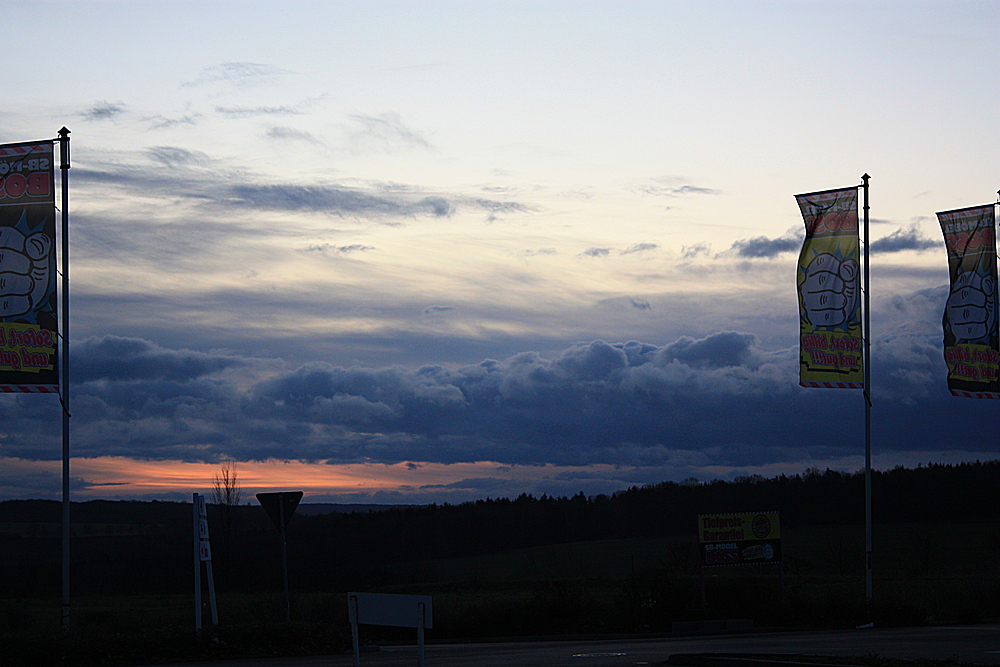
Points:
[(116, 544)]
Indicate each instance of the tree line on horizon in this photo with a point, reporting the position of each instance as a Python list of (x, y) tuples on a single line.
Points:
[(117, 543)]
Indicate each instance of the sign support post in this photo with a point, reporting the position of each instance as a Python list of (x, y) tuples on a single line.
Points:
[(739, 539), (284, 569), (280, 507), (64, 375), (868, 409), (401, 611)]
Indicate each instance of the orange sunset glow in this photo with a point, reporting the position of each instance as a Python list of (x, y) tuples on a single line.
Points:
[(124, 478)]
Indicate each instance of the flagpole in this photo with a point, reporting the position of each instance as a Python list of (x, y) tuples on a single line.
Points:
[(64, 376), (868, 411)]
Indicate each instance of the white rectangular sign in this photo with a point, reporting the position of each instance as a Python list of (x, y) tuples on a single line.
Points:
[(404, 611)]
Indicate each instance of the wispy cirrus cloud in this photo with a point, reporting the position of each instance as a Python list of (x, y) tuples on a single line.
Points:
[(159, 122), (326, 248), (292, 134), (174, 157), (252, 112), (696, 249), (634, 249), (674, 187), (238, 74), (184, 175), (105, 111), (626, 302), (382, 133), (640, 247), (437, 309)]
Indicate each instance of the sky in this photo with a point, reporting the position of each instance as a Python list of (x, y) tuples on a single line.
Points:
[(408, 252)]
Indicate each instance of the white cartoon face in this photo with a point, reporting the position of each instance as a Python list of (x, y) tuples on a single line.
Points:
[(971, 306), (24, 271), (829, 292)]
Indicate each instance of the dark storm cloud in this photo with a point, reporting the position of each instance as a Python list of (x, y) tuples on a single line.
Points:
[(909, 238), (117, 358), (696, 401), (716, 351)]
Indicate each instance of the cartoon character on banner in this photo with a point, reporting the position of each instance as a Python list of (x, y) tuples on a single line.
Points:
[(829, 292), (970, 313), (24, 272)]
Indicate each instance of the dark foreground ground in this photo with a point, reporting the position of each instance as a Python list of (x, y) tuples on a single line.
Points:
[(925, 647)]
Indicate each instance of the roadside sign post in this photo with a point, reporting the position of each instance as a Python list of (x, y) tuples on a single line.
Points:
[(202, 554), (739, 539), (402, 611), (280, 507)]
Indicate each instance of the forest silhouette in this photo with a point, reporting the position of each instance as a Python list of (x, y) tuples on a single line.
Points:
[(626, 562), (116, 543)]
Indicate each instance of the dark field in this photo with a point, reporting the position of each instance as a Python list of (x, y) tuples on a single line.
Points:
[(133, 572)]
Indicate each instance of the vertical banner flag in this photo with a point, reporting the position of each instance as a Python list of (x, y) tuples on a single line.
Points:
[(970, 316), (829, 290), (28, 317)]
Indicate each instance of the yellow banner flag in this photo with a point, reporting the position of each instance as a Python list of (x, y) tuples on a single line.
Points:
[(829, 291)]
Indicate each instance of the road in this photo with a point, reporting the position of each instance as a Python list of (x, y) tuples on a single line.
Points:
[(979, 644)]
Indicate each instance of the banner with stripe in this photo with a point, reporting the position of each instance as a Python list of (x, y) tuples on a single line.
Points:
[(829, 291), (970, 315), (28, 315)]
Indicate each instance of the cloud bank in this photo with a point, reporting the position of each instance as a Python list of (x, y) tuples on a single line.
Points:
[(719, 398)]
